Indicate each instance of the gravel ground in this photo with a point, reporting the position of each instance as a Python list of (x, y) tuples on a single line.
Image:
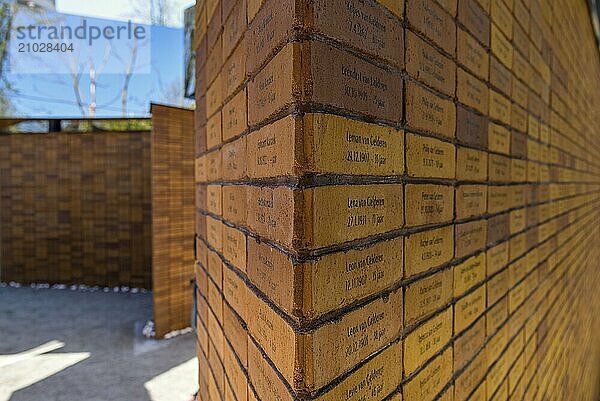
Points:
[(63, 345)]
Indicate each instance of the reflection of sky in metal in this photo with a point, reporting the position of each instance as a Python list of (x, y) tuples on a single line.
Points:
[(54, 95), (85, 49)]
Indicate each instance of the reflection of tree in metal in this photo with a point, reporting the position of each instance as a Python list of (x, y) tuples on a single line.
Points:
[(6, 18), (5, 27), (21, 370), (84, 74)]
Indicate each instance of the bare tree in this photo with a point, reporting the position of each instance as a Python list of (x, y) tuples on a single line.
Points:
[(159, 12), (76, 77), (6, 20), (128, 74)]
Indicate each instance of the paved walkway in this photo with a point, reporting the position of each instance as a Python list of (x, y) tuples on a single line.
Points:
[(63, 345)]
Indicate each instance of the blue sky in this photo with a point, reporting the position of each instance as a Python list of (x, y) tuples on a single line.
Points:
[(53, 95)]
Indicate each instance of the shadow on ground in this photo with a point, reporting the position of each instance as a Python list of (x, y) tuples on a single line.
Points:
[(107, 326)]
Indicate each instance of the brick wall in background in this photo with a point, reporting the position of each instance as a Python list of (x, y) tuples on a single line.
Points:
[(172, 217), (397, 200), (75, 208)]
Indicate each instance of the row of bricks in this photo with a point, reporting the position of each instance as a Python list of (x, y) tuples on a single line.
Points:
[(377, 151), (231, 201), (348, 213), (468, 127)]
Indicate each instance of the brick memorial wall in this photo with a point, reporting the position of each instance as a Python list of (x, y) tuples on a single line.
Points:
[(104, 209), (397, 200), (172, 151), (75, 208)]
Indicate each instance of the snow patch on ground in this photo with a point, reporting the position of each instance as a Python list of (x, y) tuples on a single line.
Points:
[(176, 333), (77, 287), (149, 332)]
